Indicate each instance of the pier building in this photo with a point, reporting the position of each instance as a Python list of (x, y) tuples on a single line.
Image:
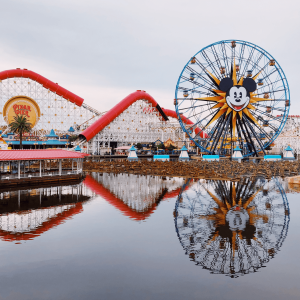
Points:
[(26, 167)]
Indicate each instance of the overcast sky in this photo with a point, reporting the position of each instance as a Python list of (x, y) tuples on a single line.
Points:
[(104, 50)]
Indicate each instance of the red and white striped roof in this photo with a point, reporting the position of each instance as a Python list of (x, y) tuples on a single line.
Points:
[(8, 155)]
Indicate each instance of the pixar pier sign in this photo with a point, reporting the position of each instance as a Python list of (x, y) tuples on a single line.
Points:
[(22, 109), (21, 106)]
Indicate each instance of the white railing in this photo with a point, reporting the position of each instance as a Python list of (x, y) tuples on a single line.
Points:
[(46, 173)]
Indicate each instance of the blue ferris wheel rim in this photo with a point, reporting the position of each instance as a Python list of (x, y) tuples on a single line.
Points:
[(280, 72)]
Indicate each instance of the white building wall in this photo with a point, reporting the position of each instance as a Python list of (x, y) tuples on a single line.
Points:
[(139, 123)]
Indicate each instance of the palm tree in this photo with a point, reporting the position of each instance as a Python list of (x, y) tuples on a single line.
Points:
[(20, 125)]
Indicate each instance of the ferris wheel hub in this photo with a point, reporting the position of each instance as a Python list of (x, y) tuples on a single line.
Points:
[(237, 218)]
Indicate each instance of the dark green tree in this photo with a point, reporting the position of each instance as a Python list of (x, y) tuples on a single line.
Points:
[(171, 147), (161, 146), (72, 138), (139, 146), (20, 125)]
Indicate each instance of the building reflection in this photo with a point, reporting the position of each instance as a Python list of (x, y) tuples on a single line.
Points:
[(26, 214), (136, 196), (232, 228)]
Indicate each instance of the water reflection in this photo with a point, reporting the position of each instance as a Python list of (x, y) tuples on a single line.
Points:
[(26, 214), (136, 196), (232, 228)]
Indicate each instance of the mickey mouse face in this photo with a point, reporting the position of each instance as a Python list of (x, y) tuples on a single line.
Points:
[(237, 98), (237, 217)]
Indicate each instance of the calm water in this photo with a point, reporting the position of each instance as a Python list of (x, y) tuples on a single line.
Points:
[(143, 237)]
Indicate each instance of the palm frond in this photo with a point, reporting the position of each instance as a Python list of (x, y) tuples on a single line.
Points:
[(20, 125)]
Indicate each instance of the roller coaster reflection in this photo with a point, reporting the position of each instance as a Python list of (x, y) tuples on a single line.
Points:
[(232, 228), (27, 214)]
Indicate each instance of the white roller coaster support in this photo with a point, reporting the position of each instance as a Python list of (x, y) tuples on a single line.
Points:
[(56, 112), (289, 136)]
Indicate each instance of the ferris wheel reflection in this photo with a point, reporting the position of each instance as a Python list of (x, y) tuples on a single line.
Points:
[(232, 228)]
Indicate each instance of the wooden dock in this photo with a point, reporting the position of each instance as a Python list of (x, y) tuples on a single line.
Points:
[(39, 181)]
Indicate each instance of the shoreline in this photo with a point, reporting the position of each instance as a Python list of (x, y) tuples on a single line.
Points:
[(222, 170)]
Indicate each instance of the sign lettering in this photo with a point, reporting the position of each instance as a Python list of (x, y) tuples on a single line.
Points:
[(22, 110)]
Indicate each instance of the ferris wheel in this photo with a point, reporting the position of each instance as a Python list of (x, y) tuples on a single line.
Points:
[(236, 93), (232, 228)]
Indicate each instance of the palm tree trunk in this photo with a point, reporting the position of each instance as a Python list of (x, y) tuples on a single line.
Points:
[(21, 147)]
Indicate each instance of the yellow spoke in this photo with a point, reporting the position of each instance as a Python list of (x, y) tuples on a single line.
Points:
[(218, 105), (213, 238), (240, 234), (250, 200), (229, 110), (255, 77), (233, 243), (221, 93), (227, 204), (233, 195), (216, 98), (218, 115), (247, 112), (241, 81), (219, 202), (240, 202), (251, 106), (234, 74), (214, 77), (233, 125)]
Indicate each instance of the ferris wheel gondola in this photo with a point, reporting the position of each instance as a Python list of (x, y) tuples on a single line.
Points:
[(235, 92)]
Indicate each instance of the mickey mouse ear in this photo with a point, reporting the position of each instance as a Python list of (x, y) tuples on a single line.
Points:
[(249, 84), (226, 84)]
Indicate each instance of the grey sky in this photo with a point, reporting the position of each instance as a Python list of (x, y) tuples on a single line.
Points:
[(104, 50)]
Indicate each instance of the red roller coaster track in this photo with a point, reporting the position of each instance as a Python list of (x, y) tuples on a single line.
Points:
[(48, 84), (105, 193), (172, 114), (114, 112), (45, 226)]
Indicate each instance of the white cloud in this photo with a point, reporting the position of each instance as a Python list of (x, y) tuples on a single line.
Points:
[(107, 49)]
